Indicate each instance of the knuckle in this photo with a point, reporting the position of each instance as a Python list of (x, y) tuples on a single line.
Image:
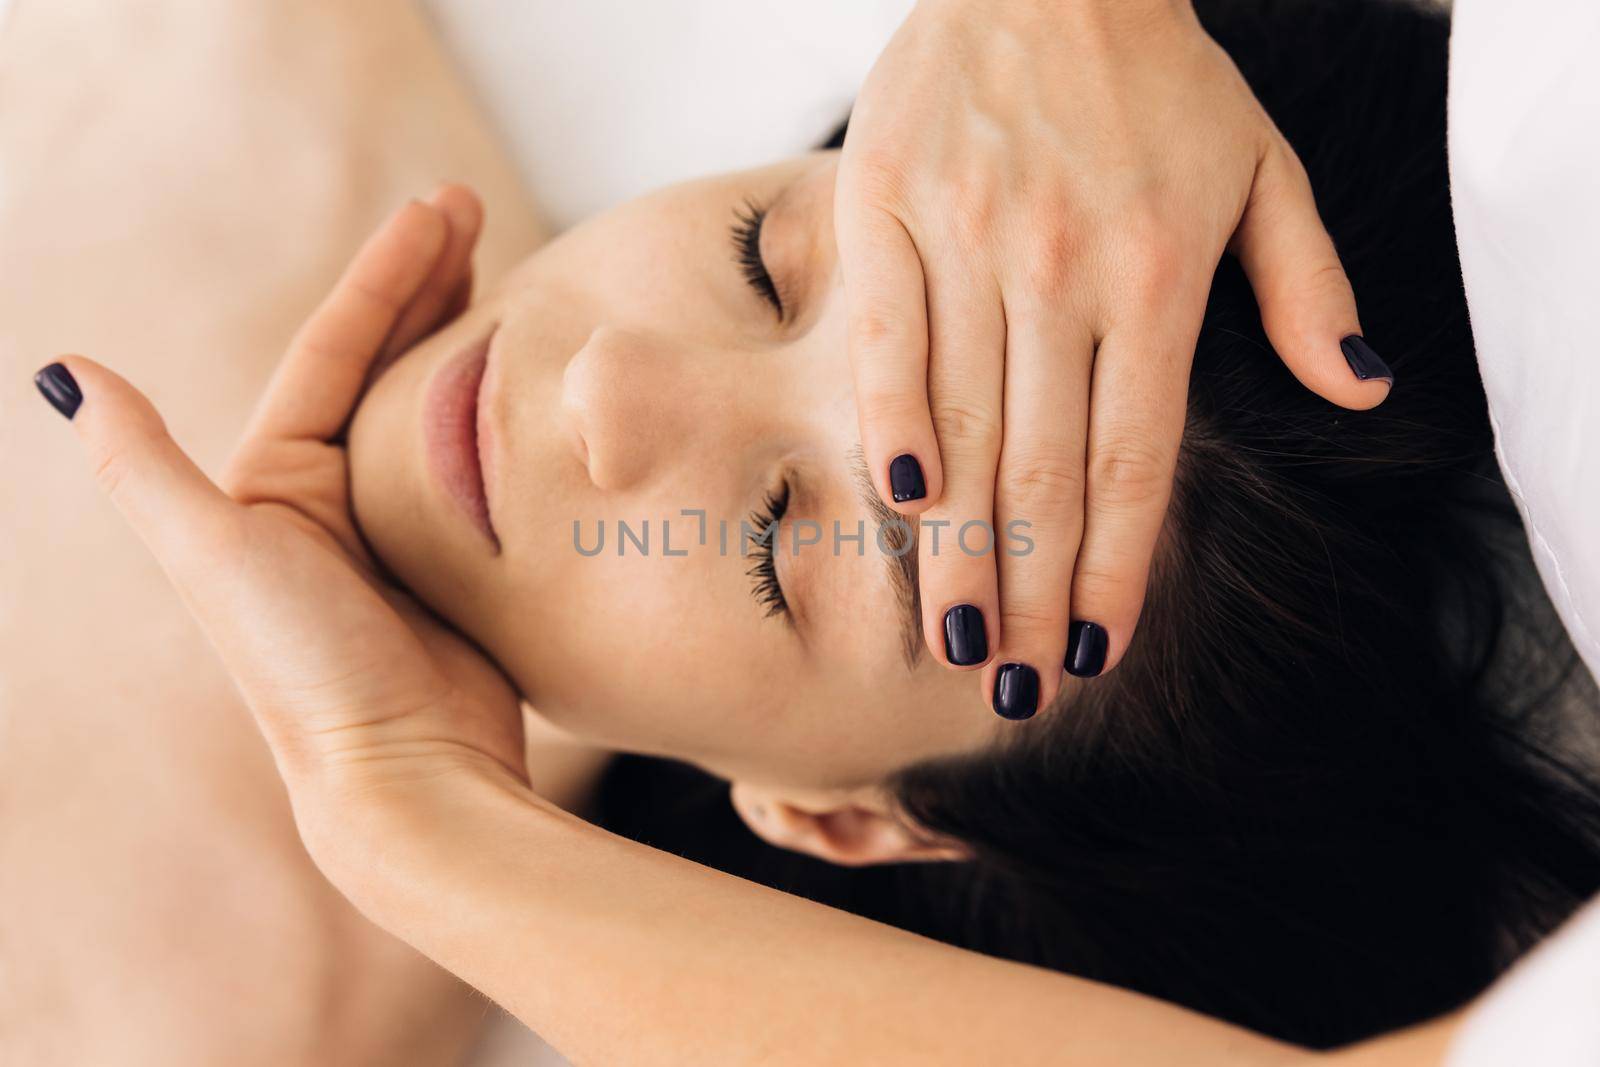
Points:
[(965, 426), (1328, 278), (887, 403), (140, 433), (1040, 480), (1326, 283), (971, 210), (1050, 265), (1156, 269), (878, 171), (379, 299), (877, 331), (1128, 471), (1095, 587), (1153, 261), (111, 473), (1035, 620), (1297, 314)]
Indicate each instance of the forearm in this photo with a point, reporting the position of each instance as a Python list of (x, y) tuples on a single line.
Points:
[(617, 953)]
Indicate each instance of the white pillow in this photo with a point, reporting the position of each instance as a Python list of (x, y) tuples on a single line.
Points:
[(1525, 180)]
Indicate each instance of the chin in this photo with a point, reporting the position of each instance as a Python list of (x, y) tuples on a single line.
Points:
[(389, 499)]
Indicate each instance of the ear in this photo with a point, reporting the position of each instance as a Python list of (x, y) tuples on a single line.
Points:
[(853, 828)]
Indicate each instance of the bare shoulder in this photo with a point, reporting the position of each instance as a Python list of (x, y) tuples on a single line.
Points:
[(176, 191)]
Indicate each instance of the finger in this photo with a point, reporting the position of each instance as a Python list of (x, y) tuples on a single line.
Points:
[(1038, 500), (1307, 305), (185, 520), (1138, 398), (888, 342), (461, 299), (320, 378), (436, 303), (247, 593), (955, 548)]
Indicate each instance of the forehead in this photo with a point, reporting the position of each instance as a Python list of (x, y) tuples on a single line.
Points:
[(663, 260), (795, 192)]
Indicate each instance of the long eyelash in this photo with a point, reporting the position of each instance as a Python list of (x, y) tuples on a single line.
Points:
[(746, 233), (764, 571)]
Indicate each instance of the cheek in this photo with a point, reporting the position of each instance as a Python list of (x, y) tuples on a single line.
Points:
[(645, 653)]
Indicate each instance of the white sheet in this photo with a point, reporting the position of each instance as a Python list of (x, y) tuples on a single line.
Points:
[(1546, 1012), (1525, 179), (602, 100)]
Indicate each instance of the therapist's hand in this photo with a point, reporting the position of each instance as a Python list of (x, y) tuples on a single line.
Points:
[(373, 709), (1032, 200)]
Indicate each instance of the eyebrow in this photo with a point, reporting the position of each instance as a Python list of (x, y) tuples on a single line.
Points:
[(900, 538)]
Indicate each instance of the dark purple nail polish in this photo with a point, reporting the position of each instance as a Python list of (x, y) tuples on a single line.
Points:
[(966, 642), (905, 479), (1016, 691), (1086, 649), (1364, 362), (59, 387)]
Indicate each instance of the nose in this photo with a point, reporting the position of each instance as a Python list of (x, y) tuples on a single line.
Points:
[(644, 407)]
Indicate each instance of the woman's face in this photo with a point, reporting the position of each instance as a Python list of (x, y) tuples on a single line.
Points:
[(635, 375)]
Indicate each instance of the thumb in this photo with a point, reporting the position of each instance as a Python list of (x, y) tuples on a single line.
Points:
[(181, 516), (1307, 305), (297, 657)]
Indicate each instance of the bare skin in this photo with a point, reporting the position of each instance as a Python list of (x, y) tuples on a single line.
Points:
[(185, 182)]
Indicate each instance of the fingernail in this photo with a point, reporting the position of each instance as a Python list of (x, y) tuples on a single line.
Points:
[(1086, 649), (1364, 362), (966, 642), (905, 479), (59, 387), (1016, 691)]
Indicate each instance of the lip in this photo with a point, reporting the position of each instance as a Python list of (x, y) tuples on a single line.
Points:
[(456, 433)]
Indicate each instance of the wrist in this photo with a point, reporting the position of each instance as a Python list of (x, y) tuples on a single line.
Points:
[(395, 846)]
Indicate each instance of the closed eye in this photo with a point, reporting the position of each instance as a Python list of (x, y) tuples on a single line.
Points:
[(762, 537), (746, 233)]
